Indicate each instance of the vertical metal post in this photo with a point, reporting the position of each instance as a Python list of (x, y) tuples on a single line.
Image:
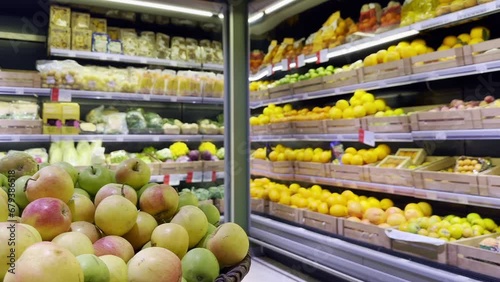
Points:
[(236, 114)]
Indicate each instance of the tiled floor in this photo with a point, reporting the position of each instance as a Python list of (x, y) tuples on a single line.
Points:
[(264, 270)]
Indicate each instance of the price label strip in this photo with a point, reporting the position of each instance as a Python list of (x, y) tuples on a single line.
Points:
[(172, 179), (60, 95), (300, 61), (322, 56), (194, 177)]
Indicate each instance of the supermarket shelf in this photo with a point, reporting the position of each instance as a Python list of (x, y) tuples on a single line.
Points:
[(386, 83), (356, 261), (463, 199), (472, 134), (132, 59), (110, 138), (117, 96), (389, 36), (161, 178)]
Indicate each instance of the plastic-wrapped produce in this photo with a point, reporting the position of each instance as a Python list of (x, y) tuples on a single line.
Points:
[(191, 49), (219, 86), (162, 46), (135, 78), (129, 42), (147, 81), (178, 49), (161, 82), (135, 120), (417, 10), (81, 40), (172, 85), (23, 110), (100, 42), (115, 47), (60, 37), (116, 123), (146, 44)]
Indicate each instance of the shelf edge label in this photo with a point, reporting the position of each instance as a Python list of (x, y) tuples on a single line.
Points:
[(60, 95), (322, 56), (300, 61), (366, 137)]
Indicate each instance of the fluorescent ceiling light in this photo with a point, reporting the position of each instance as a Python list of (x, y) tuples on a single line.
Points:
[(165, 7), (277, 6), (255, 17), (221, 16)]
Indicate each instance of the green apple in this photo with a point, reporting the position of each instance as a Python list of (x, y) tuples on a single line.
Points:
[(200, 264), (82, 192), (489, 224), (413, 227), (133, 172), (71, 170), (472, 216), (92, 178), (4, 183), (330, 68), (19, 194), (94, 269)]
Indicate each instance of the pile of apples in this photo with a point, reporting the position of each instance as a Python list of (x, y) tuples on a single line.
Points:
[(458, 104), (115, 226)]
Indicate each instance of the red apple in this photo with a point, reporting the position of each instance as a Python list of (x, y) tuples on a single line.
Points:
[(88, 229), (82, 208), (133, 172), (140, 234), (49, 216), (114, 245), (160, 201), (50, 182), (116, 189)]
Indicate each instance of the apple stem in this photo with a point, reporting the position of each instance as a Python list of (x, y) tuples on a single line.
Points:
[(136, 166), (93, 169), (123, 190), (26, 184)]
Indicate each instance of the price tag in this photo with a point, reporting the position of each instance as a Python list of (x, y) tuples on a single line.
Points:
[(174, 64), (300, 61), (463, 200), (156, 139), (143, 61), (207, 176), (60, 95), (119, 139), (72, 54), (19, 90), (441, 135), (322, 56), (15, 138), (172, 179), (285, 65), (366, 137), (220, 175), (194, 177), (478, 10), (146, 97), (431, 195)]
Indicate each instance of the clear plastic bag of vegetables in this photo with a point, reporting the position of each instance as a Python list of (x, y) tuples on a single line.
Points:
[(136, 121), (153, 120)]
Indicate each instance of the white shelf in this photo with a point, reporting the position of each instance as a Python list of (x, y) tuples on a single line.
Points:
[(110, 138), (456, 198), (394, 35), (132, 59), (386, 83)]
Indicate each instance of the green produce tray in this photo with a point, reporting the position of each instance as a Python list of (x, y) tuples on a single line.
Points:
[(237, 272)]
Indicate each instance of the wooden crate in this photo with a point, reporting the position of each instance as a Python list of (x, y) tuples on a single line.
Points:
[(463, 119), (431, 178), (168, 168), (341, 79), (184, 168), (259, 205), (490, 117), (467, 255), (260, 95), (476, 54), (417, 245), (219, 203), (155, 168), (13, 78), (281, 128), (216, 166), (284, 212), (386, 70), (309, 127), (280, 91), (8, 126), (343, 126), (260, 165), (319, 221), (310, 85), (348, 172), (489, 180), (285, 167), (257, 130), (399, 124), (437, 61), (362, 232), (310, 169)]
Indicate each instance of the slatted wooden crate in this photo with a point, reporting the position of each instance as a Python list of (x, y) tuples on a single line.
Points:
[(489, 180), (348, 172), (342, 79), (482, 52), (8, 126), (467, 255), (319, 221), (399, 124), (216, 166), (310, 85), (284, 212), (258, 130), (463, 119), (343, 126), (490, 118), (281, 128), (260, 164), (362, 232), (386, 70), (284, 167), (309, 127), (439, 60), (280, 91), (260, 95), (13, 78), (184, 168), (310, 169), (259, 205), (419, 246)]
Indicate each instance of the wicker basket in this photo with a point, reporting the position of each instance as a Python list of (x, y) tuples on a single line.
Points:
[(236, 273)]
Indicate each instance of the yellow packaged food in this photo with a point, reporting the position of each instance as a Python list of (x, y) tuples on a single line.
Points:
[(99, 25), (114, 33), (146, 44), (81, 40), (418, 10), (219, 86), (171, 86), (162, 81), (162, 46), (80, 20), (60, 16), (60, 37), (129, 42), (147, 81)]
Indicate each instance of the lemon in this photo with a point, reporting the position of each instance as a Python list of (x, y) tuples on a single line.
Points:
[(316, 158), (412, 206), (367, 97), (316, 188), (379, 104), (458, 45), (273, 156), (450, 41), (325, 157), (474, 41), (278, 110), (338, 211), (370, 60), (284, 199), (355, 101), (351, 150), (359, 93), (480, 33), (374, 202), (430, 50), (287, 108), (342, 104), (391, 48), (370, 108), (357, 160), (389, 113), (443, 48), (254, 121), (403, 44), (347, 158), (318, 150), (300, 156), (302, 203), (420, 49), (381, 56), (325, 194), (280, 148), (263, 119), (464, 38), (323, 208), (408, 52), (362, 152), (370, 157), (381, 153), (425, 208), (386, 148), (348, 113), (313, 206), (267, 111), (398, 112), (294, 188), (335, 112), (274, 195), (386, 203), (359, 111), (417, 42)]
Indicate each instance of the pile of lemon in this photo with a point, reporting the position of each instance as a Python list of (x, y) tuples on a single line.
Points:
[(314, 198), (352, 156), (397, 52), (273, 114), (362, 104), (282, 153), (477, 35)]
